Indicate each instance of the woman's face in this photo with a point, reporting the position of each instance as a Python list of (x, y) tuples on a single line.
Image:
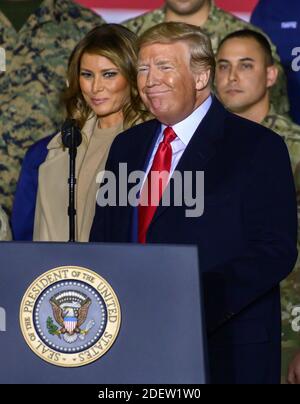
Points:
[(104, 88)]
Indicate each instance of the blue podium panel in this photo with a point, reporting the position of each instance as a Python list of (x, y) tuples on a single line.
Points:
[(161, 338)]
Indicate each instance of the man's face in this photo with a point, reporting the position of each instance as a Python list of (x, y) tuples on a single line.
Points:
[(168, 87), (242, 75), (185, 7)]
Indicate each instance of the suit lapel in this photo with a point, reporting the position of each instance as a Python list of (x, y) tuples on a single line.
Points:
[(144, 144), (143, 149)]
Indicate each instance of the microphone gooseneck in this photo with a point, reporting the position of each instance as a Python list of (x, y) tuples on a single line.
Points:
[(71, 139)]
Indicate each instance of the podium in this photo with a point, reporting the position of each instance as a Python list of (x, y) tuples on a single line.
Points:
[(51, 325)]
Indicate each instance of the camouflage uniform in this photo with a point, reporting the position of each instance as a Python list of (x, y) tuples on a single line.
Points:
[(290, 288), (218, 25), (5, 233), (30, 88)]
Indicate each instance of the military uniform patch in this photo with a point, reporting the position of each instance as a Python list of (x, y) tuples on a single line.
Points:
[(70, 316)]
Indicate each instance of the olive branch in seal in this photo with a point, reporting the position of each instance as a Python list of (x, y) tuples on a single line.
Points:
[(52, 328)]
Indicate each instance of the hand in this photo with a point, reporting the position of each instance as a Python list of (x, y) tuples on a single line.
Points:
[(294, 371)]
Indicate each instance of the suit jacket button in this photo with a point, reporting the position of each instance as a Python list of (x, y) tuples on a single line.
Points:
[(228, 316)]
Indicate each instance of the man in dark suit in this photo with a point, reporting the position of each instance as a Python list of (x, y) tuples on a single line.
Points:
[(246, 235)]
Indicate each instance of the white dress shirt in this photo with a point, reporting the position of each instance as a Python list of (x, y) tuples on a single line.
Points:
[(184, 131)]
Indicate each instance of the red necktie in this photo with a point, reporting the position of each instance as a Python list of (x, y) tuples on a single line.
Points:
[(155, 184)]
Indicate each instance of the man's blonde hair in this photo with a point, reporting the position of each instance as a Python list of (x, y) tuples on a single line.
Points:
[(202, 55)]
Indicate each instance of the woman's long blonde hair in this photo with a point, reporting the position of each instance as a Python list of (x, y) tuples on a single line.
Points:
[(117, 44)]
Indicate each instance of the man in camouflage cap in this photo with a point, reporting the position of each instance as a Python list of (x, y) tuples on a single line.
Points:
[(217, 24), (34, 56), (245, 73), (5, 233)]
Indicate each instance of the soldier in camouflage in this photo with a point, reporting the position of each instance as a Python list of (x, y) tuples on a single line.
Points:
[(5, 233), (36, 58), (245, 73), (217, 24)]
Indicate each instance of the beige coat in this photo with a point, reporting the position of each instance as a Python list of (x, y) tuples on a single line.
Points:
[(51, 215)]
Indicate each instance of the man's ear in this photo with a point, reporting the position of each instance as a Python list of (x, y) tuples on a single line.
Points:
[(272, 74), (202, 79)]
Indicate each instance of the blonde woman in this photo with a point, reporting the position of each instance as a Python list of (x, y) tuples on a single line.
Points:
[(102, 97)]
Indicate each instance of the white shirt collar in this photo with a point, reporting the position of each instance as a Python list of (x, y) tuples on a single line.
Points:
[(186, 128)]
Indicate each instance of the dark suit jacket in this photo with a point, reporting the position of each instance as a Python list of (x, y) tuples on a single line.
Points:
[(246, 237)]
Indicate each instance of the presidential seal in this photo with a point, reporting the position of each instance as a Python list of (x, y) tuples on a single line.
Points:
[(70, 316)]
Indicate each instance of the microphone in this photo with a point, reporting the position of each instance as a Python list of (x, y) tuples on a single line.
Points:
[(70, 133)]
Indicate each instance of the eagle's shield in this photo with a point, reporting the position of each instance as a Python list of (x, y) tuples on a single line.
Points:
[(70, 324)]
